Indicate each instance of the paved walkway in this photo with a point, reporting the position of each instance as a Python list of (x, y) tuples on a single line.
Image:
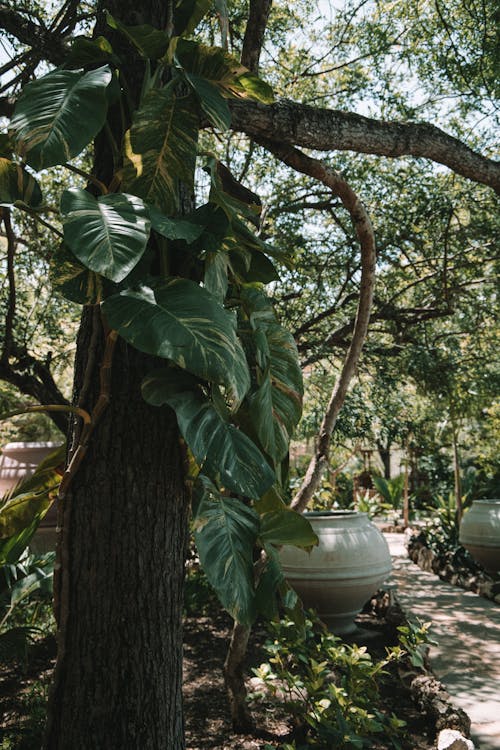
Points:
[(467, 630)]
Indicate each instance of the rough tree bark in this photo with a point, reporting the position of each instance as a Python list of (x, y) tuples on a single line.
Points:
[(120, 566), (328, 130), (124, 521)]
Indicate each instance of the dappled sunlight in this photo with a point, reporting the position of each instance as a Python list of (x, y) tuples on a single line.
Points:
[(466, 629)]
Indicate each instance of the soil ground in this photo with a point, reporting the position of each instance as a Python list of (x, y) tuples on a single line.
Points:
[(24, 688)]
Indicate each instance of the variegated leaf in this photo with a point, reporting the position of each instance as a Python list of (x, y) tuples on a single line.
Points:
[(183, 322), (17, 185), (221, 450), (107, 234), (59, 114), (225, 530), (160, 147)]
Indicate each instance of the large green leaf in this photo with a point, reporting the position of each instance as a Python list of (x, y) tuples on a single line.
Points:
[(182, 322), (85, 51), (107, 234), (188, 14), (59, 114), (229, 194), (149, 42), (71, 279), (225, 530), (17, 185), (276, 403), (220, 449), (222, 70), (175, 229), (162, 384), (160, 147), (285, 526), (26, 505), (19, 512), (212, 102)]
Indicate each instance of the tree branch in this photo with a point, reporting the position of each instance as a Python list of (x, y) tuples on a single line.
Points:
[(47, 44), (254, 33), (291, 123)]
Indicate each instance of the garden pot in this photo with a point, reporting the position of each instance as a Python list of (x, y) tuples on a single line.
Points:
[(343, 571), (17, 461), (480, 533)]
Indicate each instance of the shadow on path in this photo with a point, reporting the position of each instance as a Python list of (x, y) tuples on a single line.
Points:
[(466, 628)]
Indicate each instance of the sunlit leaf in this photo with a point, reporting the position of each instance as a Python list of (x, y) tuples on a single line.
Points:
[(58, 115), (212, 102), (160, 147), (107, 234)]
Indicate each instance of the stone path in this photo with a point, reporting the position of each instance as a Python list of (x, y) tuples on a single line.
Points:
[(467, 630)]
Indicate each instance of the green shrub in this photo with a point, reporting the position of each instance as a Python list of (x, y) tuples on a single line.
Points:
[(331, 689)]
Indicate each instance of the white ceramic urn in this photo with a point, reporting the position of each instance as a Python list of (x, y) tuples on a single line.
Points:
[(339, 575), (480, 533)]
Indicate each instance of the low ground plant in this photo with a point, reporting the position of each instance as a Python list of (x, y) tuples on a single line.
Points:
[(330, 688)]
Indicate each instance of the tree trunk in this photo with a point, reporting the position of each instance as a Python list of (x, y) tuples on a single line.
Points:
[(119, 668), (385, 456), (120, 569)]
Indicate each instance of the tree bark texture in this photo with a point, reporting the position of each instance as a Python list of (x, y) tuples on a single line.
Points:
[(123, 520), (119, 591), (297, 124)]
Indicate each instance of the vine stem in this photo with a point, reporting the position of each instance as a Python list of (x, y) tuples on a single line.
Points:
[(89, 177)]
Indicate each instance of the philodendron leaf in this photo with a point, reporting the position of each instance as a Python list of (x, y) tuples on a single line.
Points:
[(225, 530), (222, 70), (19, 512), (161, 385), (181, 321), (174, 229), (212, 102), (286, 527), (276, 403), (107, 234), (233, 197), (72, 279), (85, 51), (59, 114), (160, 147), (220, 449), (17, 185), (150, 42), (188, 14)]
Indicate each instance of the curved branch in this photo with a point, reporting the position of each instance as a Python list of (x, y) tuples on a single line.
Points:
[(364, 231), (326, 129)]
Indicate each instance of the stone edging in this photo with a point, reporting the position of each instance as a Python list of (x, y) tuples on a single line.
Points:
[(476, 581)]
